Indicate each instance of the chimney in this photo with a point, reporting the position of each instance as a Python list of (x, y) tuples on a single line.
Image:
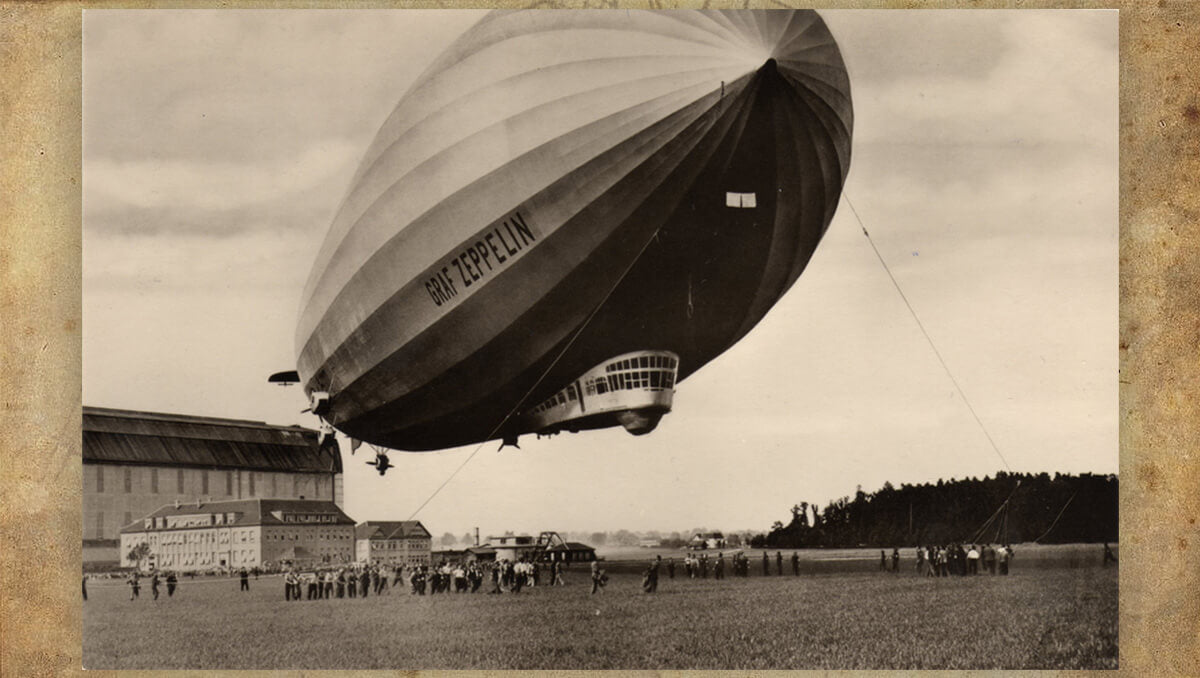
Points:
[(477, 536)]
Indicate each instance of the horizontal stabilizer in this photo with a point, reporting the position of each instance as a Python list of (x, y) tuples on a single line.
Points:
[(284, 378)]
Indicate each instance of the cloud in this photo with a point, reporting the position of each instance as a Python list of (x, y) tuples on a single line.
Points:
[(1051, 80), (213, 186)]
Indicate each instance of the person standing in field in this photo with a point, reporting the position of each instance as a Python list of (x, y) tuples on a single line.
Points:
[(779, 563), (650, 576), (973, 560), (766, 564), (134, 586), (1004, 555), (895, 560), (989, 559), (671, 566), (364, 583), (704, 566), (795, 564), (719, 567), (154, 584), (598, 577), (245, 578), (171, 582), (882, 561)]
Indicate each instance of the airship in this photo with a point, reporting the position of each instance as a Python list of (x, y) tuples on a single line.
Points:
[(565, 216)]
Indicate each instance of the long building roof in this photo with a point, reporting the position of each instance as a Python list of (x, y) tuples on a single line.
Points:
[(248, 512), (391, 529), (152, 438)]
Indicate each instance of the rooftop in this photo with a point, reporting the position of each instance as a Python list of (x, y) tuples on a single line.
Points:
[(246, 512), (391, 529), (130, 437)]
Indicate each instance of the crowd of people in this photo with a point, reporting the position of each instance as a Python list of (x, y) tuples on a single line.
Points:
[(360, 581), (156, 579), (506, 576), (959, 559)]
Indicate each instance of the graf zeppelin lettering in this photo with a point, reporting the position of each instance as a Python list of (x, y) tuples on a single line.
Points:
[(487, 255)]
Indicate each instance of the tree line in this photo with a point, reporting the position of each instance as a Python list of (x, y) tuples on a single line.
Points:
[(1009, 508)]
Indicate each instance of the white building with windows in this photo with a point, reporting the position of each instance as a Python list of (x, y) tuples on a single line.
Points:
[(399, 542), (268, 533)]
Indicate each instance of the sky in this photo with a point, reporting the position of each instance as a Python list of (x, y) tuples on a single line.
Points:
[(217, 145)]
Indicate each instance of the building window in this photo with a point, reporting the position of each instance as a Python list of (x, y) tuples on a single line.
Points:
[(99, 524), (99, 479), (204, 483), (128, 480), (179, 481), (229, 483)]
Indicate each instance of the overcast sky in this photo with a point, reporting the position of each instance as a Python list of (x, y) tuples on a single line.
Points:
[(217, 145)]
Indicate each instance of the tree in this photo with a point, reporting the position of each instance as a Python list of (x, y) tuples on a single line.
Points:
[(449, 539), (468, 539), (138, 553), (598, 538), (625, 538)]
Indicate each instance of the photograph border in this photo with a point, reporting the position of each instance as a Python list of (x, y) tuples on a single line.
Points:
[(41, 330)]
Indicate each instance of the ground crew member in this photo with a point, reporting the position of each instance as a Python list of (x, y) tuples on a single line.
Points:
[(134, 586), (171, 581), (719, 568), (779, 563), (245, 577), (154, 585), (895, 560), (598, 576), (766, 564), (671, 568), (795, 564)]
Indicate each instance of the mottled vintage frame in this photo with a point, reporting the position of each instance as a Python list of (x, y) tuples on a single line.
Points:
[(1159, 342)]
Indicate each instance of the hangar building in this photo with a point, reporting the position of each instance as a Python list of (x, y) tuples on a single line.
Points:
[(135, 463)]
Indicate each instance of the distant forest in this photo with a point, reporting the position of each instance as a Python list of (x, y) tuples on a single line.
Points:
[(1058, 509)]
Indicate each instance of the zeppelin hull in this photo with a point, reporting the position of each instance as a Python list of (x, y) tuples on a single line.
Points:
[(670, 213)]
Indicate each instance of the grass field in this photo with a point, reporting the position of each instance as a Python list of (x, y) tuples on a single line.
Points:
[(1058, 610)]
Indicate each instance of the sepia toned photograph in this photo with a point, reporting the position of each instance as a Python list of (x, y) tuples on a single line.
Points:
[(606, 339)]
